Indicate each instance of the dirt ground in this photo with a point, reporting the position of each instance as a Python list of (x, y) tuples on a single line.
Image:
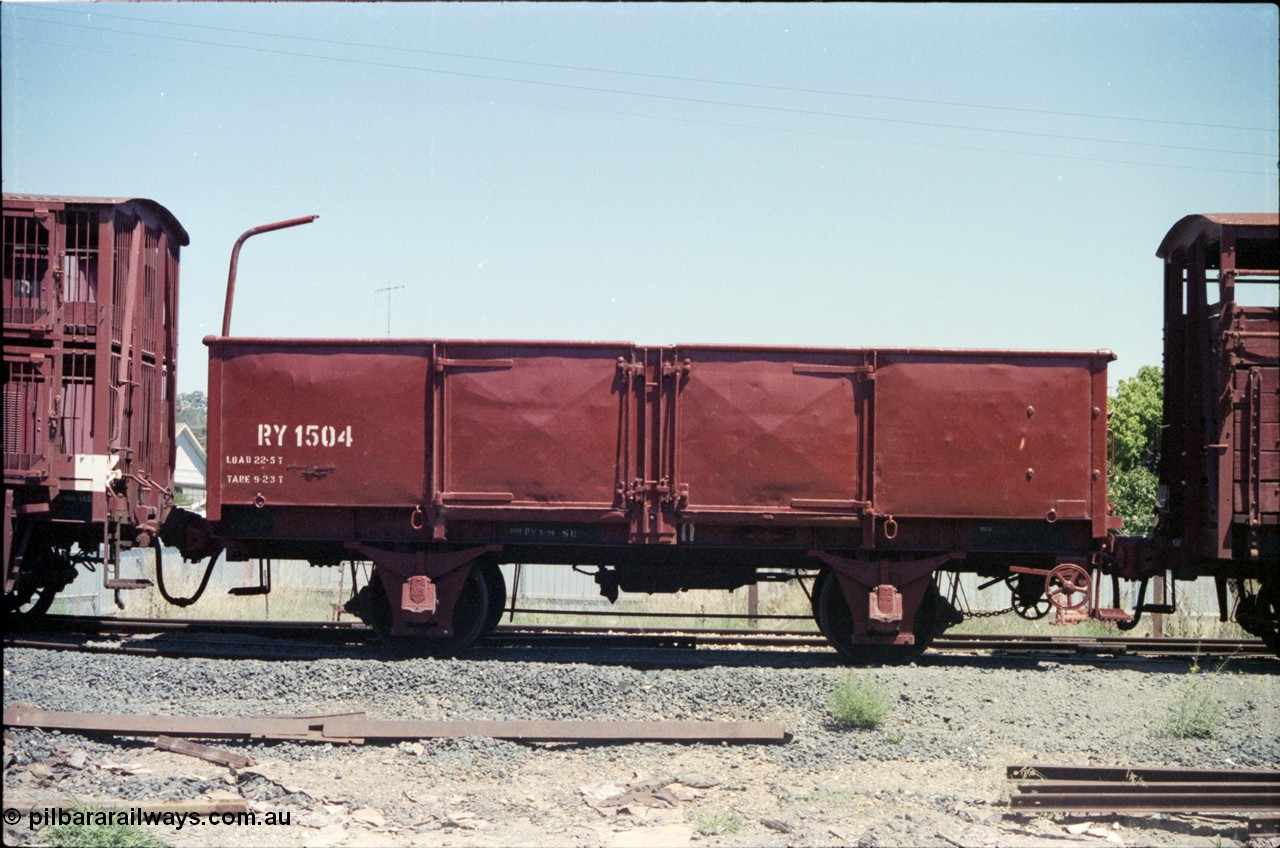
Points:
[(616, 796)]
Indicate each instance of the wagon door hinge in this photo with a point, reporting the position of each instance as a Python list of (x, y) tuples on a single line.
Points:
[(630, 369), (55, 417), (645, 491), (682, 369)]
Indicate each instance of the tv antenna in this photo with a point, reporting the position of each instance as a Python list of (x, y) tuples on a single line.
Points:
[(388, 290)]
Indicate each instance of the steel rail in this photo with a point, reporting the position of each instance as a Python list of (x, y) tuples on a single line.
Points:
[(356, 727), (1135, 774), (1144, 789), (295, 633)]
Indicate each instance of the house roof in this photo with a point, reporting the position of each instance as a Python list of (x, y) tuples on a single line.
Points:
[(191, 468)]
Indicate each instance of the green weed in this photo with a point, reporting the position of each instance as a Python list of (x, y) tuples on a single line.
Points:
[(718, 824), (100, 835), (859, 702), (1198, 711)]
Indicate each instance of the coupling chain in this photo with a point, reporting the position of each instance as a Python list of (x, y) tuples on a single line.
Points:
[(987, 614)]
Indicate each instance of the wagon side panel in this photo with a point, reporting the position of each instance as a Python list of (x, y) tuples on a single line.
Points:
[(990, 436), (317, 425), (767, 434), (532, 430)]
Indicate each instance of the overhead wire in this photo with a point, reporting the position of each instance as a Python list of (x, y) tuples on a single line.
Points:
[(664, 97), (791, 130), (665, 77)]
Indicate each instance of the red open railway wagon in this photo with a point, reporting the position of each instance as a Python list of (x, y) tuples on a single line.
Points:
[(668, 468), (696, 466), (662, 468), (90, 343)]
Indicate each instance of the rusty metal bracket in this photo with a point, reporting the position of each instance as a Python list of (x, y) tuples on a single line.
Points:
[(312, 472), (639, 490), (630, 369)]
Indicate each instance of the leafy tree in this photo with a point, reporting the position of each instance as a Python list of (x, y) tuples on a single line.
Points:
[(1136, 411), (193, 410)]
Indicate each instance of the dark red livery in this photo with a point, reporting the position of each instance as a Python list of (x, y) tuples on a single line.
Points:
[(90, 344), (669, 468), (1219, 509), (869, 472)]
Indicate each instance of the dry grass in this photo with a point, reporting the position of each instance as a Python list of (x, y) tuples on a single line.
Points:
[(287, 601), (701, 609)]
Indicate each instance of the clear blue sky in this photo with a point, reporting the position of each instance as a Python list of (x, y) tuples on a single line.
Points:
[(853, 175)]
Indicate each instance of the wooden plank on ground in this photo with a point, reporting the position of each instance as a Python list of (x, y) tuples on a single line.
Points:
[(203, 752)]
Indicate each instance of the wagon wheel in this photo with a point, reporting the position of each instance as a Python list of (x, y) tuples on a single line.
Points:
[(1064, 583), (824, 577), (1259, 613), (836, 623), (370, 605), (30, 602), (470, 615), (1028, 599), (496, 587), (47, 571)]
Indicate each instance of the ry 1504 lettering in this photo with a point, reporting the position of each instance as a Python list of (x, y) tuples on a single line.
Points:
[(304, 435)]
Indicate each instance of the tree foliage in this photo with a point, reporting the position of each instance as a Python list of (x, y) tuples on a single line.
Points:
[(1136, 412), (193, 410)]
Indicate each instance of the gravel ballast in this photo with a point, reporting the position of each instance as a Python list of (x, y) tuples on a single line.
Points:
[(932, 773)]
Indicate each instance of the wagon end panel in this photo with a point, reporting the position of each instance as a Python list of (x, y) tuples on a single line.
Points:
[(316, 425), (1220, 458), (999, 436), (771, 434)]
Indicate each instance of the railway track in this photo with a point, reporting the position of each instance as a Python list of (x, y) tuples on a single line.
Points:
[(270, 640), (1143, 789)]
